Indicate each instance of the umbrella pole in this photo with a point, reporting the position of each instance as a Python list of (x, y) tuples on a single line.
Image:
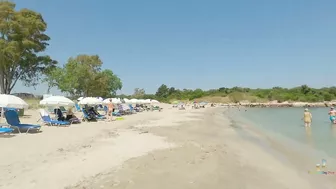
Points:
[(2, 115)]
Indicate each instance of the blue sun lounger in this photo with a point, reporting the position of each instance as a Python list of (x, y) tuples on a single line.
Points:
[(4, 130), (47, 120), (13, 120)]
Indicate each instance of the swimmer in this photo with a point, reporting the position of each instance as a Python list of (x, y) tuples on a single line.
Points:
[(307, 118), (332, 115)]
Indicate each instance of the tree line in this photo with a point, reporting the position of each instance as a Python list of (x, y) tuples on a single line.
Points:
[(302, 93), (23, 41)]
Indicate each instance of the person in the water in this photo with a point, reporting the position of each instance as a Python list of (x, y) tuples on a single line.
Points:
[(307, 118), (332, 115)]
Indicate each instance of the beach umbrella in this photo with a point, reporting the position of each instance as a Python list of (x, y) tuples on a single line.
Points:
[(147, 101), (90, 101), (155, 102), (57, 101), (134, 101), (127, 101), (106, 101), (11, 101), (141, 101), (116, 101), (80, 98)]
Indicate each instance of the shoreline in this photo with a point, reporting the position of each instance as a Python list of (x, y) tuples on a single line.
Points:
[(281, 105)]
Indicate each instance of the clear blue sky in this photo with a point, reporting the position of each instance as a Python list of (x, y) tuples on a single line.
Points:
[(197, 44)]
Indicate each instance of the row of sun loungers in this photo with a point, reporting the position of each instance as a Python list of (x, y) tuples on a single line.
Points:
[(14, 124)]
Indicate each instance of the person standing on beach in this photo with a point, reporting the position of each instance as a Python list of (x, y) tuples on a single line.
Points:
[(332, 115), (307, 117), (110, 110)]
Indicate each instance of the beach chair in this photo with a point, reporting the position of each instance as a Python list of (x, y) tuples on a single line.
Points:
[(13, 120), (117, 114), (121, 110), (105, 110), (86, 116), (156, 108), (132, 110), (78, 109), (126, 108), (47, 120), (98, 115), (6, 130)]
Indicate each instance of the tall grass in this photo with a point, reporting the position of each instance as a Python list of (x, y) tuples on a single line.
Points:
[(34, 103)]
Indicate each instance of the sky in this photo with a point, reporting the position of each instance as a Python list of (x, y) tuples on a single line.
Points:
[(196, 43)]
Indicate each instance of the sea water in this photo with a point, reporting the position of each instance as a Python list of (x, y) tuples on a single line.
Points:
[(286, 125)]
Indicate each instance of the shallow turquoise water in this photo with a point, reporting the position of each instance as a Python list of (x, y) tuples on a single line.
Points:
[(286, 123)]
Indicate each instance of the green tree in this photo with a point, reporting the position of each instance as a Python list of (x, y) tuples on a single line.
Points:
[(236, 94), (139, 93), (198, 93), (171, 91), (83, 76), (163, 91), (22, 39), (305, 89)]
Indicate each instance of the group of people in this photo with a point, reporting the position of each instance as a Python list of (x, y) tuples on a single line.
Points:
[(93, 114), (70, 116), (308, 117)]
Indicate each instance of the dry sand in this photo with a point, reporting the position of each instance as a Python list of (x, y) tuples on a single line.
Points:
[(169, 149)]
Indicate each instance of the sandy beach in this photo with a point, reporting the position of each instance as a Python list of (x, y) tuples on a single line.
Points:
[(169, 149)]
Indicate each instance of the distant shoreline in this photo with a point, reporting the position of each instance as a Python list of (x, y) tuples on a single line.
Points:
[(279, 105)]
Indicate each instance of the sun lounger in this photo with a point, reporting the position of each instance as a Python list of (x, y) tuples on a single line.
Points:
[(87, 117), (13, 120), (45, 117), (4, 130), (47, 120), (98, 115), (78, 109), (156, 108)]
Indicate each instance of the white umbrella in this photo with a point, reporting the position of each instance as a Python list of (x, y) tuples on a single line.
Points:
[(90, 101), (134, 101), (57, 100), (147, 101), (106, 101), (127, 101), (116, 101), (155, 102), (80, 98), (11, 101)]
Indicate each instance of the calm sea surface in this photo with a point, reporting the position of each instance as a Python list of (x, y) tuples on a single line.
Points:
[(286, 124)]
